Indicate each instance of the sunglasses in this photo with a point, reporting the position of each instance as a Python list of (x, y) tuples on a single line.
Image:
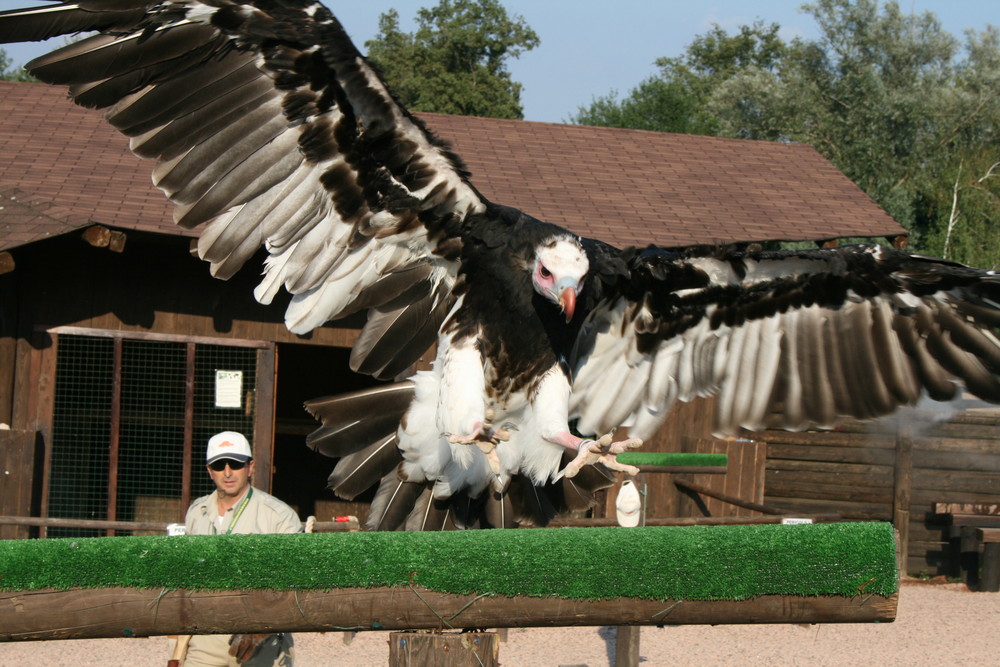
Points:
[(220, 465)]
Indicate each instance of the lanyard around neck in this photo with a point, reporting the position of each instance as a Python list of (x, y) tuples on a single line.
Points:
[(239, 510)]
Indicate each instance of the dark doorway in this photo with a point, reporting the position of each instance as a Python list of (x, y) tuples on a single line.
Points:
[(306, 372)]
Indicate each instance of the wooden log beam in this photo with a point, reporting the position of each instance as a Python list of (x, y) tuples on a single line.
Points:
[(129, 612), (96, 524), (351, 524), (699, 520)]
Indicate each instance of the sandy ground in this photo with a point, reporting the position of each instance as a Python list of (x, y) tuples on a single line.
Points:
[(937, 624)]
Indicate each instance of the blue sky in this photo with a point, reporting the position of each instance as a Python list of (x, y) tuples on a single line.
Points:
[(589, 49)]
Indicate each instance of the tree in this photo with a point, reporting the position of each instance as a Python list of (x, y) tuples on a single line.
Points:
[(456, 61), (8, 74), (887, 98), (902, 107), (675, 99)]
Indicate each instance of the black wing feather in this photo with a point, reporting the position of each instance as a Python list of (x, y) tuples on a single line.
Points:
[(857, 331)]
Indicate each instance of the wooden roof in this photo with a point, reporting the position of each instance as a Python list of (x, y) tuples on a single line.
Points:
[(63, 168)]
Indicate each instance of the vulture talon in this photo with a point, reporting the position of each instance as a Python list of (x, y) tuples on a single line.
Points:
[(489, 448), (604, 451), (483, 433)]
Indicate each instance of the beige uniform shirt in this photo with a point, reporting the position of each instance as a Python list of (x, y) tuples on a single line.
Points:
[(263, 514)]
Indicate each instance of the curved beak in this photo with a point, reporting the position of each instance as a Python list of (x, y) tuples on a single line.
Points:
[(567, 300)]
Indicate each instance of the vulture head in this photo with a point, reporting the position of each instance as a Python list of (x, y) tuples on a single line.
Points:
[(561, 266)]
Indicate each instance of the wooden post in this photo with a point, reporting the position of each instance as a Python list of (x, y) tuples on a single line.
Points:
[(444, 649), (627, 646), (990, 579), (627, 636), (902, 483)]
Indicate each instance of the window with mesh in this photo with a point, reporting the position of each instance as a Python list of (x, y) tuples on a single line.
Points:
[(118, 431)]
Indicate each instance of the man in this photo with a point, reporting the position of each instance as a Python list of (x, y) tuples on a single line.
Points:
[(235, 507)]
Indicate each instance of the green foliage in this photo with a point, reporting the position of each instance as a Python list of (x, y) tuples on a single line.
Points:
[(675, 99), (906, 110), (886, 97), (456, 61), (8, 74)]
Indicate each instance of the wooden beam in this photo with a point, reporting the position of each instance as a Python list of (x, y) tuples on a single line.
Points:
[(902, 474), (129, 612), (700, 520), (7, 263), (351, 524), (98, 236), (724, 497), (116, 241)]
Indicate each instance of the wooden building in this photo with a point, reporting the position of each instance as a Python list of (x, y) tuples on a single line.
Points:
[(120, 355)]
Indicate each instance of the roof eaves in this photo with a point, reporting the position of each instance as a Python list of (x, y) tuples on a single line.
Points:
[(26, 218)]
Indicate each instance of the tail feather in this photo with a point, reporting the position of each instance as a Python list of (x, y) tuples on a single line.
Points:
[(498, 512), (393, 503), (430, 513), (400, 505), (531, 505), (467, 511), (356, 420), (356, 473)]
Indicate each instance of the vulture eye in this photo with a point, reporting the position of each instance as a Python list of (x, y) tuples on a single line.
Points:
[(545, 273)]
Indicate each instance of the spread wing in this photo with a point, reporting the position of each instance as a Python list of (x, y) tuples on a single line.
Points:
[(271, 129), (783, 339)]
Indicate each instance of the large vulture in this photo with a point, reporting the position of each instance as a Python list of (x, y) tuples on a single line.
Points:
[(270, 128)]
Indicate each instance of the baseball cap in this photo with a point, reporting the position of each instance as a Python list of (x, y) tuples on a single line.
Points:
[(228, 445), (628, 505)]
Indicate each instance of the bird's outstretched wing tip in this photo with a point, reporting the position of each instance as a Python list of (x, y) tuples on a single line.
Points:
[(786, 339), (257, 135)]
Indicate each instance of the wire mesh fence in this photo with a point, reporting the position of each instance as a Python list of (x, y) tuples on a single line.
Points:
[(122, 410)]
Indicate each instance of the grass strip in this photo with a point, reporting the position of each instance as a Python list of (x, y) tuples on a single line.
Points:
[(671, 459), (689, 562)]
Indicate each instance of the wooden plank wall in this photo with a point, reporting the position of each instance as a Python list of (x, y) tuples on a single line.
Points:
[(852, 471), (744, 477)]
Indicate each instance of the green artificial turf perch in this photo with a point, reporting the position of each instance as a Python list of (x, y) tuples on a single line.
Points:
[(691, 562), (671, 459)]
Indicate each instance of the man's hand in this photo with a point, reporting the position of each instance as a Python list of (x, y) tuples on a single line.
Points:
[(244, 647)]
